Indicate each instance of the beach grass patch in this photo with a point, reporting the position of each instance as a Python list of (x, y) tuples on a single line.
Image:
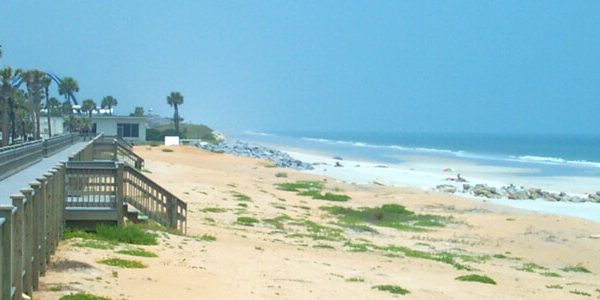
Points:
[(357, 247), (299, 186), (321, 232), (94, 245), (316, 194), (476, 278), (137, 252), (278, 222), (355, 279), (580, 293), (129, 234), (323, 246), (82, 296), (246, 221), (531, 267), (550, 274), (578, 269), (206, 238), (122, 263), (444, 257), (166, 150), (281, 175), (214, 209), (554, 286), (241, 197), (388, 215), (394, 289)]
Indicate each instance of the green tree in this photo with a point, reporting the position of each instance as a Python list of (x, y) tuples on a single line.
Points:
[(175, 100), (67, 87), (109, 102), (138, 112), (46, 81), (7, 75), (88, 105), (34, 79)]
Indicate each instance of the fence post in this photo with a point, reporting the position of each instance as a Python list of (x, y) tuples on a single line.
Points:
[(43, 203), (29, 244), (120, 194), (50, 222), (45, 148), (6, 212), (19, 241), (37, 237)]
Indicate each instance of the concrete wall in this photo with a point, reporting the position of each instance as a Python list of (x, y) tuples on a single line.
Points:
[(108, 125)]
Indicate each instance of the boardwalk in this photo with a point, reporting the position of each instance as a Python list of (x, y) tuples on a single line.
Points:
[(22, 179)]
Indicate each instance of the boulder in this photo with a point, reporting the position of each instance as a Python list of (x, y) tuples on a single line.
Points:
[(446, 188)]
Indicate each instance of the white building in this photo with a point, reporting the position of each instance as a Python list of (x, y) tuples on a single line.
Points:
[(56, 126), (129, 128)]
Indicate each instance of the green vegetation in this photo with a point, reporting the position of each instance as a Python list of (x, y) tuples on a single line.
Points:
[(531, 267), (388, 215), (315, 194), (129, 234), (278, 222), (443, 257), (122, 263), (476, 278), (187, 131), (82, 296), (241, 197), (580, 293), (95, 245), (394, 289), (281, 175), (554, 286), (320, 232), (357, 247), (323, 246), (355, 279), (214, 209), (206, 238), (578, 268), (246, 221), (166, 150), (312, 189), (550, 274), (138, 252)]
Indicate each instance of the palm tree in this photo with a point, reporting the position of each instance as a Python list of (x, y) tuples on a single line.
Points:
[(175, 99), (7, 75), (46, 81), (88, 106), (34, 79), (109, 102), (67, 87)]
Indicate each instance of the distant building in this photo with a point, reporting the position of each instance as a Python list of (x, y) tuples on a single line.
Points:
[(57, 126), (129, 128)]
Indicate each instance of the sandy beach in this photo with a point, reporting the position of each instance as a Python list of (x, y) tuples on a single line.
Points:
[(294, 249)]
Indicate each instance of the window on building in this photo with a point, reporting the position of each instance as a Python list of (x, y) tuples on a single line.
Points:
[(128, 130)]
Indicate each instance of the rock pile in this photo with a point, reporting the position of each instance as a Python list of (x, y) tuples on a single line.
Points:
[(239, 148), (516, 193)]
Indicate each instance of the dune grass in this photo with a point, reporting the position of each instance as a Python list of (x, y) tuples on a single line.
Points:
[(122, 263), (129, 234), (578, 269), (246, 221), (394, 289), (82, 296), (206, 238), (476, 278), (241, 197), (388, 215), (311, 189), (137, 252), (95, 245)]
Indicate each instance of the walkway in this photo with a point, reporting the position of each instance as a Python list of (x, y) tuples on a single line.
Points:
[(16, 182)]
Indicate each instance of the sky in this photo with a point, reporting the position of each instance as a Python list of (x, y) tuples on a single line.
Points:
[(366, 66)]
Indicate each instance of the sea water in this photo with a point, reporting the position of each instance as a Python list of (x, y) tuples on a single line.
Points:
[(545, 155)]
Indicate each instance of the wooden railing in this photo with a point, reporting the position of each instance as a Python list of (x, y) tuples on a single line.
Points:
[(18, 157), (153, 200), (30, 231)]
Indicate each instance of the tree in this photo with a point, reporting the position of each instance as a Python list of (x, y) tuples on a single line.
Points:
[(67, 87), (46, 81), (175, 99), (138, 112), (7, 75), (88, 106), (34, 79), (109, 102)]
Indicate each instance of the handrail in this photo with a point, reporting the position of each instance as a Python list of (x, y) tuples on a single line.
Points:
[(154, 200), (138, 160)]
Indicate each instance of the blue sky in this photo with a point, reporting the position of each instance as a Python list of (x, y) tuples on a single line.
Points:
[(431, 66)]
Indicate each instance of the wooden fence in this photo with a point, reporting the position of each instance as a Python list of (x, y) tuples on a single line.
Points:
[(32, 226), (27, 246)]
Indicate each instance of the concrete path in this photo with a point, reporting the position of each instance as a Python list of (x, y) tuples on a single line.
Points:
[(16, 182)]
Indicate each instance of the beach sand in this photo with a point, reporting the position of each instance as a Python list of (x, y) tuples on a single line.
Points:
[(293, 262)]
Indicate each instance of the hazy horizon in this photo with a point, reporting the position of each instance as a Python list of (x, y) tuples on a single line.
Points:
[(389, 66)]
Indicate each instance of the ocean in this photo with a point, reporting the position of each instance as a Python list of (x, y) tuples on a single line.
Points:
[(544, 155)]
